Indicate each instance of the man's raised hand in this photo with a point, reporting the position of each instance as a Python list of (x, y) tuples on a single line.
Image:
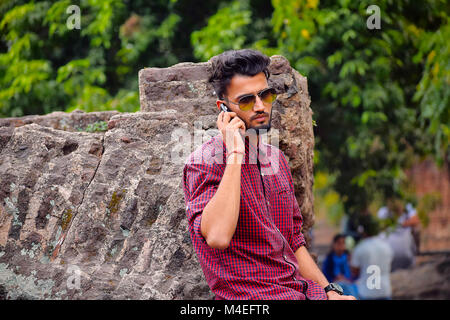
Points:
[(231, 131)]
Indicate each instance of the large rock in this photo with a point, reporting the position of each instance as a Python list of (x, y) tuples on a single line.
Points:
[(109, 206), (429, 280), (77, 120), (100, 215)]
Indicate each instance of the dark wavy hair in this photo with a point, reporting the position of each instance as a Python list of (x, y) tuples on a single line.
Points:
[(225, 66)]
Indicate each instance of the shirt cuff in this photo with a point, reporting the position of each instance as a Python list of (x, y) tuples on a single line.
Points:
[(298, 241)]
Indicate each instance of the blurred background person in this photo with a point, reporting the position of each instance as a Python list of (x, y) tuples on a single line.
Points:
[(410, 219), (402, 232), (336, 266), (371, 262)]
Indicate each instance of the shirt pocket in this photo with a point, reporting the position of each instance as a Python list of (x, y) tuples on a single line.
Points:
[(282, 205)]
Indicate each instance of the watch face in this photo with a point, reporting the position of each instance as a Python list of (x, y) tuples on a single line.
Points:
[(339, 288)]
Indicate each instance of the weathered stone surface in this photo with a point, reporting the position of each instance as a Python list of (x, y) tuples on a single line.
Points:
[(184, 87), (429, 280), (100, 215), (116, 215), (77, 120)]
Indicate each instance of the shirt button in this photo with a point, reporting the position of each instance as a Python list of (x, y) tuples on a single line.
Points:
[(295, 279), (285, 257)]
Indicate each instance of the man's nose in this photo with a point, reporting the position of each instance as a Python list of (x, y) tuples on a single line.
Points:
[(259, 105)]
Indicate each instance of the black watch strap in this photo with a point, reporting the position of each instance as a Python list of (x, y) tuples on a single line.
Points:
[(334, 287)]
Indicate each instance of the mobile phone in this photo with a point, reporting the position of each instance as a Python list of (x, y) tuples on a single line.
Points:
[(224, 108)]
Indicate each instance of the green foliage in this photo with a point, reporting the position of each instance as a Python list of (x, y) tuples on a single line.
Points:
[(327, 202), (233, 26), (370, 118), (46, 66), (225, 30), (428, 203), (98, 126), (433, 89)]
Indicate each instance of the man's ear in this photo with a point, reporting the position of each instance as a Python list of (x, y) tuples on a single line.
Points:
[(221, 103), (218, 103)]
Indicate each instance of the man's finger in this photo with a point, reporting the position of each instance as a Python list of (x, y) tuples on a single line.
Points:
[(235, 120), (227, 117), (240, 122), (238, 125)]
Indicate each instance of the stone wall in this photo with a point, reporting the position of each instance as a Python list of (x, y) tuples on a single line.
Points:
[(428, 179), (429, 280), (88, 214)]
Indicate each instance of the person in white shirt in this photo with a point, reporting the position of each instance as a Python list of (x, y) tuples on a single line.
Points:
[(404, 236), (371, 262)]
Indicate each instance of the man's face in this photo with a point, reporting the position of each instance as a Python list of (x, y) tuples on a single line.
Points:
[(260, 116)]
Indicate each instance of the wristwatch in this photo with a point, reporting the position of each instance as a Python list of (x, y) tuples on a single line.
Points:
[(334, 287)]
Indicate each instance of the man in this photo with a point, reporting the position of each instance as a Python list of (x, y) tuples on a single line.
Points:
[(403, 235), (371, 262), (244, 220)]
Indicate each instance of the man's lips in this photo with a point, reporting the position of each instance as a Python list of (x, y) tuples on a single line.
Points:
[(261, 117)]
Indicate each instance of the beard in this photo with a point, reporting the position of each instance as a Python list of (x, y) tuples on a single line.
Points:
[(263, 128)]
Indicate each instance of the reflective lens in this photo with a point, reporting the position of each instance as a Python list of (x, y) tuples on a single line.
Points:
[(247, 102), (267, 96)]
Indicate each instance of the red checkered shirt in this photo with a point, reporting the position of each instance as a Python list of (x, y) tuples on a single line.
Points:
[(259, 263)]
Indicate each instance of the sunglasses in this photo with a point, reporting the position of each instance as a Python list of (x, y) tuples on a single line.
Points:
[(247, 102)]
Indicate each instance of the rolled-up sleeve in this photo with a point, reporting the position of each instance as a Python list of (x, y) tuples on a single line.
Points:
[(200, 183), (298, 238)]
